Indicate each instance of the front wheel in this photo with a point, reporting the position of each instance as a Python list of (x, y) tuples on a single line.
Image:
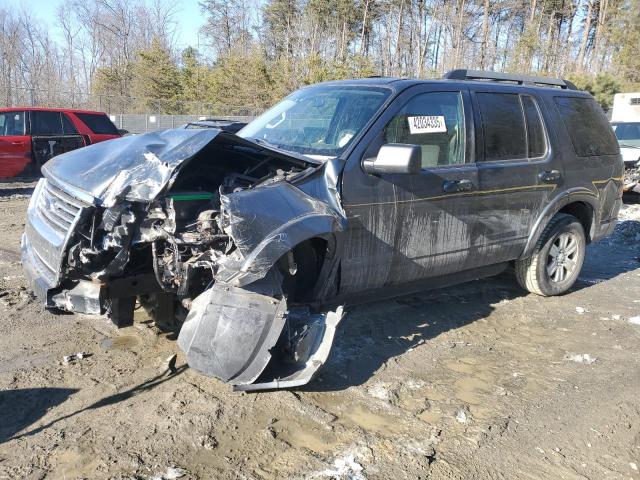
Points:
[(557, 258)]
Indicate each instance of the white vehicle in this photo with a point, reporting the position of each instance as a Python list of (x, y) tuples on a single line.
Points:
[(626, 107), (628, 134)]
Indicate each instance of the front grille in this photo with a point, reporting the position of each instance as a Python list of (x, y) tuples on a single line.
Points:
[(58, 209), (52, 218)]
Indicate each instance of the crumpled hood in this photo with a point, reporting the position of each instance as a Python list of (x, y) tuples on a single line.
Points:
[(150, 158)]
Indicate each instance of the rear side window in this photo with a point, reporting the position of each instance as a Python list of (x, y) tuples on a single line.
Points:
[(505, 135), (588, 127), (535, 130), (11, 124), (98, 123), (46, 123), (67, 125)]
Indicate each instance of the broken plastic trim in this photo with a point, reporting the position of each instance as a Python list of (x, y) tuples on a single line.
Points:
[(230, 333), (320, 346)]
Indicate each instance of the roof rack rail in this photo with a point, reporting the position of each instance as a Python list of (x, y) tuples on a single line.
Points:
[(463, 74)]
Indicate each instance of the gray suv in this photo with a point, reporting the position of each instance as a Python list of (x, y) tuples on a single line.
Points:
[(348, 191)]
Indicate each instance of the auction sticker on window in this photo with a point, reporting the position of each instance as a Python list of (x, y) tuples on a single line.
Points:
[(427, 124)]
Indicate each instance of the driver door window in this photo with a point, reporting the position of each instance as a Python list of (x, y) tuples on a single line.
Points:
[(12, 124), (435, 122)]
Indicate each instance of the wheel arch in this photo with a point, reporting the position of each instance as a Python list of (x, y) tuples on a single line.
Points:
[(317, 230), (582, 204)]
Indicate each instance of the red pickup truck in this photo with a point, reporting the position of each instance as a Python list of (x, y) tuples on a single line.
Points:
[(30, 136)]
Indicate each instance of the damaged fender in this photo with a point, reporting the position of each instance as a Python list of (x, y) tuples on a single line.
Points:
[(263, 235)]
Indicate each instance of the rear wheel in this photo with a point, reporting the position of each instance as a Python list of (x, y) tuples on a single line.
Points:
[(557, 258)]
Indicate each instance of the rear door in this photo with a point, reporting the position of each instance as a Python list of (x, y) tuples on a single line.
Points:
[(15, 144), (517, 170), (52, 134), (405, 228)]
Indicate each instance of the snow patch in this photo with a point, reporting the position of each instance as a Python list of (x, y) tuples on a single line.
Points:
[(343, 467), (581, 358)]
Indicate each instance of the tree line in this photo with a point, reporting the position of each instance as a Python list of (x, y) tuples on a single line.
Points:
[(250, 53)]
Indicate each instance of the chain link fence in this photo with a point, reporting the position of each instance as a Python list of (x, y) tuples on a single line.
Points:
[(142, 123), (134, 114)]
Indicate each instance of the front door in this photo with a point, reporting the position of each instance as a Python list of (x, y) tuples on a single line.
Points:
[(405, 228), (15, 144)]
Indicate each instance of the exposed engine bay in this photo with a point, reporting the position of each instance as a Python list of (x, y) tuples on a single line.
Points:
[(182, 236), (220, 244)]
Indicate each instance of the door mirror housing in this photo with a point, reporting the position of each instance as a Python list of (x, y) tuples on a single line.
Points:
[(395, 158)]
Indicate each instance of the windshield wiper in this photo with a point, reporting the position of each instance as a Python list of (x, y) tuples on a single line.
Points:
[(278, 148), (262, 142)]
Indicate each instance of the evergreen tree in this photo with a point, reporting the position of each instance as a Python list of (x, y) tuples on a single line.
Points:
[(156, 76)]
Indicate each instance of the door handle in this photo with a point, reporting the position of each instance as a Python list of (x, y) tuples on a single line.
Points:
[(18, 144), (453, 186), (549, 176)]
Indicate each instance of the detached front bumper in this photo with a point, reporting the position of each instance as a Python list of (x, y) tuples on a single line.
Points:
[(52, 218), (36, 278), (82, 296)]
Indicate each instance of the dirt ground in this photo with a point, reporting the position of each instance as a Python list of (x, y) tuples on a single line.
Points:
[(475, 381)]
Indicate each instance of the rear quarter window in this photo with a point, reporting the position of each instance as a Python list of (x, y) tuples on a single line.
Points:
[(98, 123), (587, 125)]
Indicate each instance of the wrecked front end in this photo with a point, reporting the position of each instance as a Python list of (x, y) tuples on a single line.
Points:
[(202, 228)]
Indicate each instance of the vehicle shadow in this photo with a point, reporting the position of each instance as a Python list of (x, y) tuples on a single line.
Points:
[(22, 407), (619, 253), (9, 192), (17, 406), (371, 335)]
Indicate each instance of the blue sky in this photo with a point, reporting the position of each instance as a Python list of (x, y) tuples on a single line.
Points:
[(188, 16)]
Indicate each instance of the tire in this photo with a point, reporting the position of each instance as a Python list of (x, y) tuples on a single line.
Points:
[(557, 258)]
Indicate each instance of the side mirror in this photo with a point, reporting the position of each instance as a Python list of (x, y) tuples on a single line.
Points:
[(395, 158)]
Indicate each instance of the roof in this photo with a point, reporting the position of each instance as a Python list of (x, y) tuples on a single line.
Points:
[(371, 82), (47, 109), (471, 77)]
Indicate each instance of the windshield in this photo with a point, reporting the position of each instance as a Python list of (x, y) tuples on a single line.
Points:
[(319, 122), (628, 133)]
